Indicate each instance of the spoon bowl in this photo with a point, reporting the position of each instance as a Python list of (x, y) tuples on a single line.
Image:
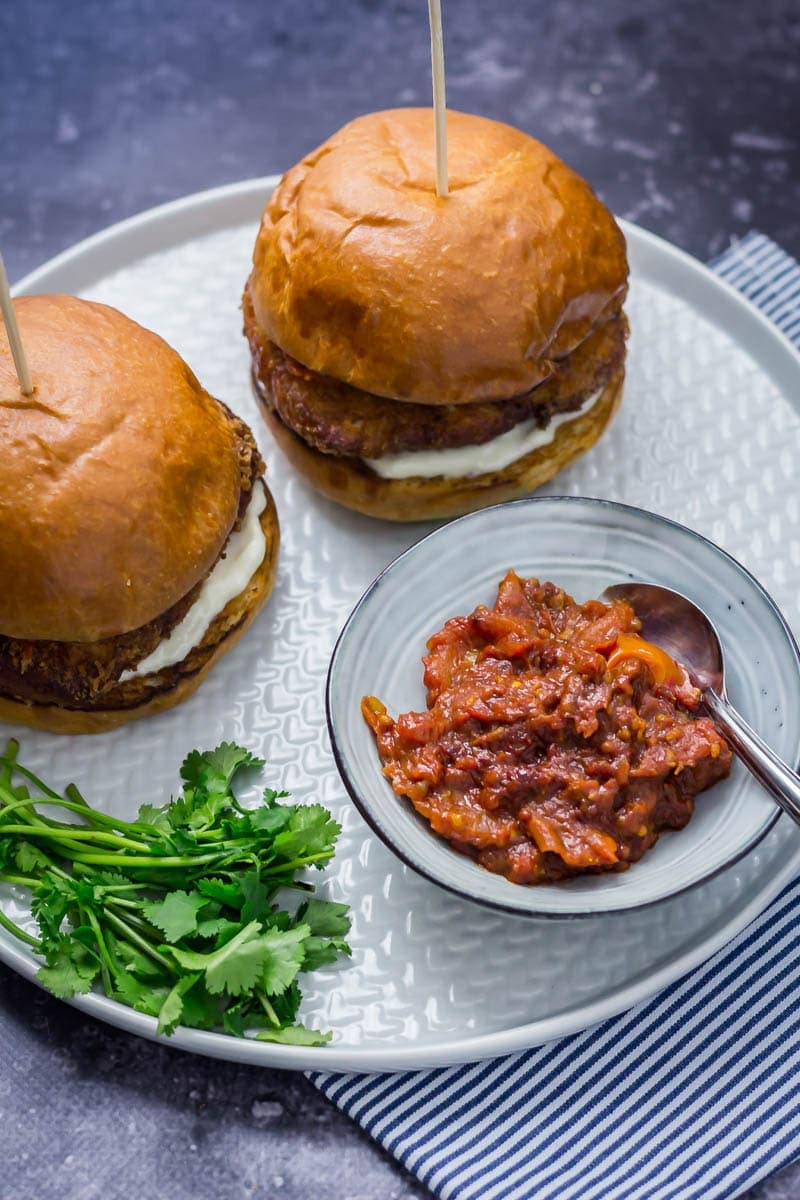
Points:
[(674, 623)]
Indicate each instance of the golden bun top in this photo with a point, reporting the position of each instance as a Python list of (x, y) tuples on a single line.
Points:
[(119, 479), (362, 273)]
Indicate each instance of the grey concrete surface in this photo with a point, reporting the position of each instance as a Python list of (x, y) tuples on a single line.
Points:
[(683, 115)]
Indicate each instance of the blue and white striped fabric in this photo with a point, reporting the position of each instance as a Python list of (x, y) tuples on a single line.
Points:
[(692, 1096), (768, 276)]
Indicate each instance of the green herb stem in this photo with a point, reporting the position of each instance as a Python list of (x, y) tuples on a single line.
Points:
[(10, 802), (121, 902), (269, 1010), (90, 817), (124, 928), (20, 880), (72, 833), (12, 927), (297, 863), (133, 919), (14, 766), (72, 793), (156, 862), (105, 957)]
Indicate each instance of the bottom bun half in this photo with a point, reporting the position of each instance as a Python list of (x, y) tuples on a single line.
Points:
[(349, 482), (234, 620)]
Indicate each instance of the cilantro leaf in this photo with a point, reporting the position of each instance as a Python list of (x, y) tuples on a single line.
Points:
[(144, 997), (156, 818), (129, 959), (262, 821), (211, 927), (270, 796), (110, 879), (28, 857), (284, 957), (328, 922), (294, 1035), (225, 932), (277, 919), (270, 820), (234, 967), (70, 970), (170, 1012), (285, 1006), (241, 1016), (209, 766), (176, 914), (256, 896), (49, 905), (233, 1019), (225, 893), (325, 918), (311, 830), (202, 1010), (207, 779), (273, 958), (319, 952), (64, 980)]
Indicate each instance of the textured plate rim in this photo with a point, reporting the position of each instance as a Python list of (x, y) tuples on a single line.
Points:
[(192, 216), (367, 810)]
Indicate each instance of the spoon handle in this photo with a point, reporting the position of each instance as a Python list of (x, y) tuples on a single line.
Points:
[(769, 770)]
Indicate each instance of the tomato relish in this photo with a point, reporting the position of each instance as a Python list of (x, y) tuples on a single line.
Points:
[(556, 740)]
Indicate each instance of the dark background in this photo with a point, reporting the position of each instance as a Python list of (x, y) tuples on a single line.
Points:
[(684, 115)]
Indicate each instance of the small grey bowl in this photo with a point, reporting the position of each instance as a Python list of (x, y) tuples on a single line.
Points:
[(583, 545)]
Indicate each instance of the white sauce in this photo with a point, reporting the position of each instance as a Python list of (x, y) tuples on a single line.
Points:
[(244, 554), (466, 461)]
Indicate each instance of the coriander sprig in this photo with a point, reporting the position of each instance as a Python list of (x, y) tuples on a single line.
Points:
[(175, 913)]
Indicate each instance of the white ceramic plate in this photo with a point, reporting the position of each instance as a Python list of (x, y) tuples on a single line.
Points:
[(583, 545), (703, 436)]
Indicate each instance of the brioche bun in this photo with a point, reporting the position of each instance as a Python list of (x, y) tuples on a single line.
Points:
[(350, 482), (362, 273), (119, 480)]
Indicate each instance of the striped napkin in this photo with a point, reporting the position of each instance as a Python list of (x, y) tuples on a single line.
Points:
[(692, 1096)]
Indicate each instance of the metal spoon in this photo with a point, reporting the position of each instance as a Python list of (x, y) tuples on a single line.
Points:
[(678, 626)]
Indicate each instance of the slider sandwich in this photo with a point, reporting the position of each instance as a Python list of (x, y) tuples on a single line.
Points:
[(137, 536), (419, 356)]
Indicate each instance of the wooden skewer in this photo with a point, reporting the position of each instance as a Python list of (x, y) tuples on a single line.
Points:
[(12, 329), (439, 99)]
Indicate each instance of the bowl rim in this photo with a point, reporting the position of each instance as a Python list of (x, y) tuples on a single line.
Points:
[(497, 904)]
